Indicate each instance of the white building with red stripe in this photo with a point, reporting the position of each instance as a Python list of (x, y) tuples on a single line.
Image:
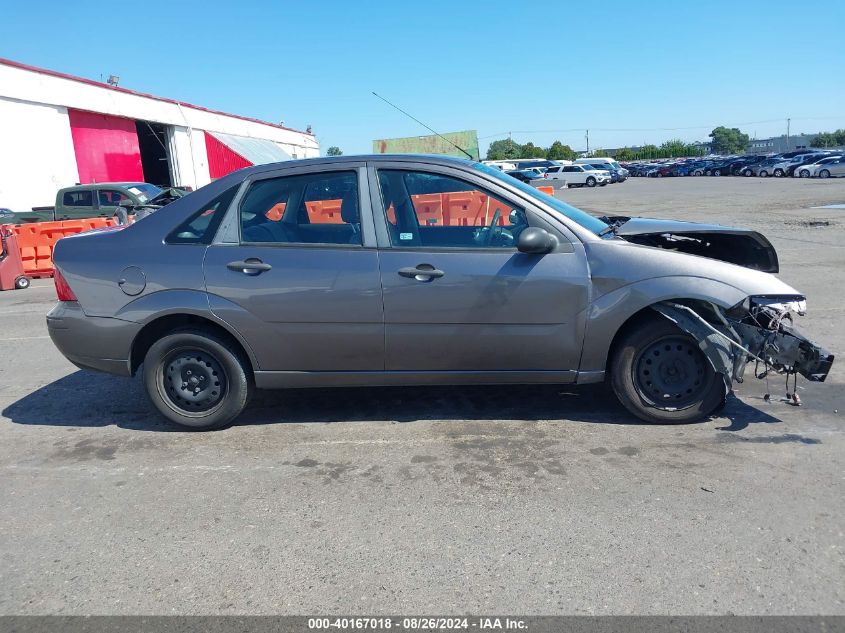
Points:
[(57, 130)]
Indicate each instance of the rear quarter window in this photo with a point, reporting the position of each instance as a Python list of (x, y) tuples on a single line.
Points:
[(202, 225)]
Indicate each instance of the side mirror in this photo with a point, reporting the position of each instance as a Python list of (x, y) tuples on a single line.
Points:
[(535, 241)]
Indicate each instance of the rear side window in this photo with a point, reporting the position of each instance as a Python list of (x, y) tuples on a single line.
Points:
[(320, 208), (201, 227), (78, 199)]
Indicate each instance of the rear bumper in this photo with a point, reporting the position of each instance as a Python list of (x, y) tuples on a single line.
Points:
[(98, 343)]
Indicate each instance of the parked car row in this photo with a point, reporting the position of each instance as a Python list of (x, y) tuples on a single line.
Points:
[(799, 164), (589, 172)]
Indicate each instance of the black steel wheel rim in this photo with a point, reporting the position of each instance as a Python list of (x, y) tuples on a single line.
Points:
[(672, 373), (193, 381)]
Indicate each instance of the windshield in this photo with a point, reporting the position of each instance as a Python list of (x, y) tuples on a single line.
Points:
[(144, 191), (584, 219)]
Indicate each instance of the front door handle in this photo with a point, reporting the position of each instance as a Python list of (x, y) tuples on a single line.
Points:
[(251, 266), (423, 272)]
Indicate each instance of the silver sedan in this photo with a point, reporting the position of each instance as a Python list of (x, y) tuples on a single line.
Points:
[(419, 270)]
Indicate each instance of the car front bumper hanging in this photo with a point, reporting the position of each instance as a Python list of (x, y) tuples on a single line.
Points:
[(733, 342)]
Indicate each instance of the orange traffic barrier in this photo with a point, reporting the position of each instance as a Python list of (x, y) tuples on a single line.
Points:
[(548, 190), (36, 241), (324, 211)]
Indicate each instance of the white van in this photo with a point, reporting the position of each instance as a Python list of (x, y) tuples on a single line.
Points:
[(605, 162), (504, 165)]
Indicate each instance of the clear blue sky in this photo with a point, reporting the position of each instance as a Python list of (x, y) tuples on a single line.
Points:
[(620, 68)]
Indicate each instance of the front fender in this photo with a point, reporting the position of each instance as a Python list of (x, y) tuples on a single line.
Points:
[(609, 312)]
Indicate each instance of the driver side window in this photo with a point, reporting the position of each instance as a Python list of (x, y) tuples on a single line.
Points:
[(426, 209)]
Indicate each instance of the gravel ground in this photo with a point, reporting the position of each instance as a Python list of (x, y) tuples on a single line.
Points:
[(530, 500)]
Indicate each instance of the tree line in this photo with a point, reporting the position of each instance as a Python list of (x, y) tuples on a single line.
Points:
[(829, 139), (723, 140)]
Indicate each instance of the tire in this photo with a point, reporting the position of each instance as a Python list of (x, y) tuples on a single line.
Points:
[(591, 182), (824, 173), (804, 173), (22, 282), (716, 172), (778, 173), (204, 360), (644, 382), (763, 173), (747, 173)]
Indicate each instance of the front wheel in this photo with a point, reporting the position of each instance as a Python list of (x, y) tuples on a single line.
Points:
[(22, 282), (197, 379), (804, 173), (747, 173), (591, 182), (659, 374), (778, 173), (717, 172), (764, 173)]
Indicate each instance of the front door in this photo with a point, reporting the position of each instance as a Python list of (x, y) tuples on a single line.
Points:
[(300, 283), (458, 296)]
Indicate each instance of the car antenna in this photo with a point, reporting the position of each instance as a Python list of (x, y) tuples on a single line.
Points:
[(424, 125)]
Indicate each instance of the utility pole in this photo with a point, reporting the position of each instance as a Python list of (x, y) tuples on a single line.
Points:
[(588, 142), (787, 134)]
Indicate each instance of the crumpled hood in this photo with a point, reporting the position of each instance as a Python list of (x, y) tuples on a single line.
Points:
[(734, 245), (614, 263)]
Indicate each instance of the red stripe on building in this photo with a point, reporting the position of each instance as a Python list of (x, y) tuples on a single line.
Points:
[(222, 159), (106, 147)]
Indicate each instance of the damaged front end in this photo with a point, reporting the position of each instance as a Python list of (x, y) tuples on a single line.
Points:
[(759, 329)]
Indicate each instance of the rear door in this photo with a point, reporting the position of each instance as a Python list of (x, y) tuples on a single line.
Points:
[(295, 271), (77, 203), (458, 296)]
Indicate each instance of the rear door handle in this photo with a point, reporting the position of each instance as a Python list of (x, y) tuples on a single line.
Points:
[(251, 266), (423, 272)]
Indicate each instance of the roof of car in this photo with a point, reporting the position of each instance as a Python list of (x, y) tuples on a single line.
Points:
[(434, 159)]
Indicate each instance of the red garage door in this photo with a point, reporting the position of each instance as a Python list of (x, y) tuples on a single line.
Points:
[(221, 158), (106, 148)]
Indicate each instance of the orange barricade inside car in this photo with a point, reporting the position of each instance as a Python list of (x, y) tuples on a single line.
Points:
[(36, 241)]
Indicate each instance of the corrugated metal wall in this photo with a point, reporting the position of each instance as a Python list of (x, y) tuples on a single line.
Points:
[(106, 148), (221, 159)]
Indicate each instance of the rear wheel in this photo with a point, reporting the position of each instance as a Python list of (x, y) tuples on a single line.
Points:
[(778, 173), (824, 173), (591, 182), (660, 375), (197, 379), (747, 173), (763, 173), (22, 282), (804, 173), (717, 172)]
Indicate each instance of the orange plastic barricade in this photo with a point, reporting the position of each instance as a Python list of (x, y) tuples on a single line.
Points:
[(548, 190), (429, 208), (465, 208), (36, 241), (324, 211)]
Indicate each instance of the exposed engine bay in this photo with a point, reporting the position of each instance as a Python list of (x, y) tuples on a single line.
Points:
[(742, 247), (759, 330)]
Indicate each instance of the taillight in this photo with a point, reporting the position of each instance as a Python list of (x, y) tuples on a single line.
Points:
[(63, 291)]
